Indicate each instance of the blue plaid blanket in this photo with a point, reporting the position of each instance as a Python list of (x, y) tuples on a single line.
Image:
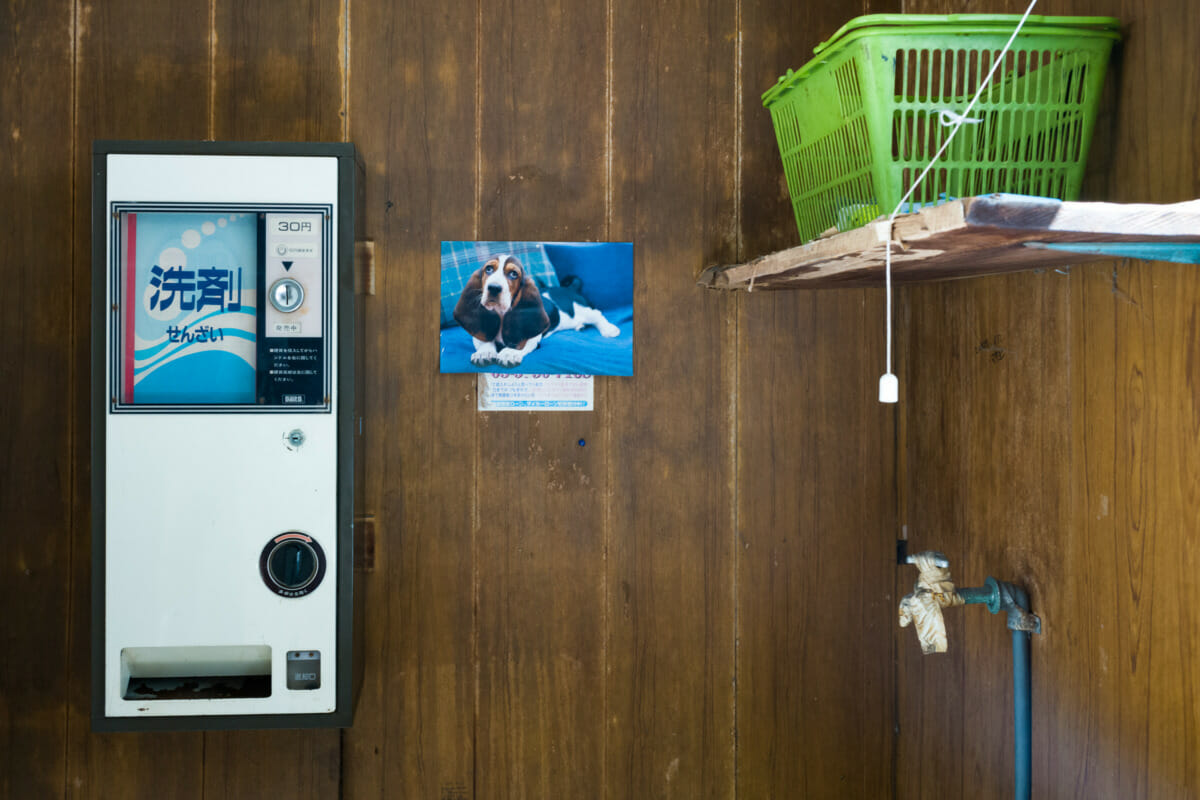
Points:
[(460, 259)]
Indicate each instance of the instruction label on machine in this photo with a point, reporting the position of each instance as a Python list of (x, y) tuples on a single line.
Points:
[(292, 353), (503, 392)]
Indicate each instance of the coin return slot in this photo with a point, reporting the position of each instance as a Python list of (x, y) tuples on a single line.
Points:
[(195, 673)]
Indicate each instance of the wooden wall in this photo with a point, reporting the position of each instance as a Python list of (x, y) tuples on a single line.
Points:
[(700, 600), (693, 603), (1050, 426)]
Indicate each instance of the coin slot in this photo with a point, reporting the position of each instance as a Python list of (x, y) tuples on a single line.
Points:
[(287, 295)]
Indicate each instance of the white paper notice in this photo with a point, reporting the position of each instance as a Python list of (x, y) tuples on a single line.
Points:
[(501, 392)]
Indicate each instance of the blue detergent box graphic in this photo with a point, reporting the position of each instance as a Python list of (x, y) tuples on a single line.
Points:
[(191, 282)]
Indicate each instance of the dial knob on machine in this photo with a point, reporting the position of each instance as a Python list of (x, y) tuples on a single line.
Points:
[(292, 564), (287, 295)]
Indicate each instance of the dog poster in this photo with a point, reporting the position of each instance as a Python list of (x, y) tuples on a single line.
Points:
[(537, 308)]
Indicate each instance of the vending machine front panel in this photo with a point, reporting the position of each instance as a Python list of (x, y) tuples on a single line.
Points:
[(222, 446)]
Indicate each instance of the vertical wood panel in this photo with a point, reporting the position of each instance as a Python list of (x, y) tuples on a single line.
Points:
[(412, 115), (930, 689), (1069, 464), (1149, 310), (277, 763), (816, 548), (777, 36), (278, 70), (815, 487), (999, 452), (142, 72), (987, 425), (971, 353), (539, 555), (36, 365), (669, 699), (276, 76), (1081, 715)]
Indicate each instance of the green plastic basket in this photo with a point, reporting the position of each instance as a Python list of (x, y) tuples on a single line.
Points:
[(858, 123)]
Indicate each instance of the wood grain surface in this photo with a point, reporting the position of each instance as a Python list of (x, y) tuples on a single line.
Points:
[(412, 112), (540, 495), (670, 605), (699, 599), (969, 237), (815, 489), (36, 437), (278, 70), (1050, 423)]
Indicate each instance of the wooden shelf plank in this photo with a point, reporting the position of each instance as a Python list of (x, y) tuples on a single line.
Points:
[(968, 237)]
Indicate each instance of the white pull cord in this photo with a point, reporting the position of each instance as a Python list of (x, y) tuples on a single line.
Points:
[(889, 385), (948, 118)]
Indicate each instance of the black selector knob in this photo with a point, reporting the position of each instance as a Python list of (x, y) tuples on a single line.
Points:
[(292, 564)]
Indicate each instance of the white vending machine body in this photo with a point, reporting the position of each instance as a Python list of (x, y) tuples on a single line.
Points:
[(223, 421)]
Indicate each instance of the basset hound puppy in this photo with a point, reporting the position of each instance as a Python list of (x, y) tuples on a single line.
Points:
[(508, 317)]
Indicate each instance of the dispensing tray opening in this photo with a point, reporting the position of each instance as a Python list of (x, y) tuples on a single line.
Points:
[(196, 673)]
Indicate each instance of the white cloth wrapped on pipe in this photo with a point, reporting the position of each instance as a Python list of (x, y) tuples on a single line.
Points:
[(933, 591)]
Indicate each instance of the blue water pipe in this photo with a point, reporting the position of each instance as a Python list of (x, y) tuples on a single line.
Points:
[(924, 605), (1000, 596), (1022, 715)]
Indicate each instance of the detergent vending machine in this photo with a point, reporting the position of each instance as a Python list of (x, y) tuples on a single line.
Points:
[(223, 430)]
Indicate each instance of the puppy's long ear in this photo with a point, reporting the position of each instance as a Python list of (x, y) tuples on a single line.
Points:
[(480, 322), (527, 316)]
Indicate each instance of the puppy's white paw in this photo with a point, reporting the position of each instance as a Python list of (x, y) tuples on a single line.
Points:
[(509, 357), (608, 330), (482, 359)]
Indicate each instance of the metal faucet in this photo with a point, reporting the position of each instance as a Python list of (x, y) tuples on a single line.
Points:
[(935, 590)]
